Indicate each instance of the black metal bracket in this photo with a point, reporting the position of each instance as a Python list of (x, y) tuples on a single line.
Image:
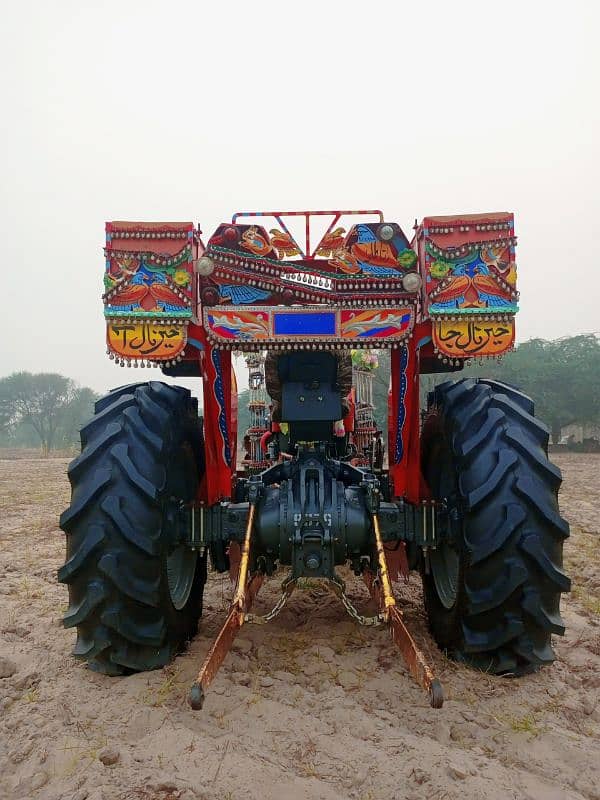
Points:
[(370, 484), (425, 525)]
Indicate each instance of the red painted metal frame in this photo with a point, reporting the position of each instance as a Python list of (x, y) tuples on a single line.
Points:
[(405, 475), (216, 483), (405, 471), (306, 253)]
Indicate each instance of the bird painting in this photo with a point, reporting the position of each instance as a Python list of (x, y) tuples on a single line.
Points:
[(156, 297), (496, 256), (147, 291), (255, 242), (471, 286), (242, 294), (284, 245), (370, 249), (123, 267), (345, 262), (331, 242)]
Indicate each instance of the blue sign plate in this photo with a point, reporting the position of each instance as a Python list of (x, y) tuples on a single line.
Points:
[(303, 323)]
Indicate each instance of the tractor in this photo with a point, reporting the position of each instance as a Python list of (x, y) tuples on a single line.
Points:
[(467, 496)]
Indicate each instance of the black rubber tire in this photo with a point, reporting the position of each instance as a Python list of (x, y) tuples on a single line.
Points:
[(486, 453), (141, 452)]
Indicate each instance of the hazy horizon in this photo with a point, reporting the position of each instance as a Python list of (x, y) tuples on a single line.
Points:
[(190, 111)]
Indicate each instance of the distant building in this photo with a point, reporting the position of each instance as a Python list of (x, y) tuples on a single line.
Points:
[(578, 432)]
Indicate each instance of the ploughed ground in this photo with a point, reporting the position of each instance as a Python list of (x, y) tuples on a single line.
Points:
[(309, 706)]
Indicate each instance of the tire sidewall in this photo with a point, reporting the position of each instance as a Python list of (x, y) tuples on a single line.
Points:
[(182, 477), (445, 623)]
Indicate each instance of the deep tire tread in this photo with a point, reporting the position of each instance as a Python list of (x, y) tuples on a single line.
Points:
[(120, 453), (82, 463), (68, 572), (130, 466), (506, 459), (150, 632), (84, 497), (511, 392), (144, 541), (511, 573), (97, 425)]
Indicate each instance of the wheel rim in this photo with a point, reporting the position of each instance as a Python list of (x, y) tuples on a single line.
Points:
[(445, 560), (181, 569)]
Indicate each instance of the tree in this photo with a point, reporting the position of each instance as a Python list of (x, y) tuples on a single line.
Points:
[(381, 387), (48, 402), (74, 416), (243, 414), (5, 414), (561, 376)]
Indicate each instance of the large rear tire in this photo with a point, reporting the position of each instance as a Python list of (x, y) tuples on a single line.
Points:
[(493, 594), (135, 592)]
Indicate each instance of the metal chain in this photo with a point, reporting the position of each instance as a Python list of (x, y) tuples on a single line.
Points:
[(336, 585), (287, 587), (339, 588)]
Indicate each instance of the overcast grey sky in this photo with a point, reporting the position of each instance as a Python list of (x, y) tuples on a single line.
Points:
[(193, 110)]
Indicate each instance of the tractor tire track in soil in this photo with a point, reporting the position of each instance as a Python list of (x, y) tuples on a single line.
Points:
[(309, 706)]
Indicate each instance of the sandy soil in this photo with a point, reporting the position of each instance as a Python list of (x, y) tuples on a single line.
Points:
[(309, 706)]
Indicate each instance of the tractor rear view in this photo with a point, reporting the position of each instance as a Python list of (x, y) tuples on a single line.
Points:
[(468, 497)]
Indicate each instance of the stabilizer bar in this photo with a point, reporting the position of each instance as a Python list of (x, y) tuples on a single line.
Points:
[(244, 595)]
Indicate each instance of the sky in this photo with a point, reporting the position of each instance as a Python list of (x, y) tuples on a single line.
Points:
[(194, 110)]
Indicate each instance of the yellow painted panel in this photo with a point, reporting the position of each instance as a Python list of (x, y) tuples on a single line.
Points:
[(153, 340), (473, 337)]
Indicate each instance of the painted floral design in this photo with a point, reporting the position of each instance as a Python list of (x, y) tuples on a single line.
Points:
[(365, 359), (181, 277), (407, 258), (439, 269)]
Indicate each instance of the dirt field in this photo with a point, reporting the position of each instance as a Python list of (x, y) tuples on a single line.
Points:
[(309, 706)]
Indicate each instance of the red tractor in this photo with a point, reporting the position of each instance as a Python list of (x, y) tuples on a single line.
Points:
[(468, 498)]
